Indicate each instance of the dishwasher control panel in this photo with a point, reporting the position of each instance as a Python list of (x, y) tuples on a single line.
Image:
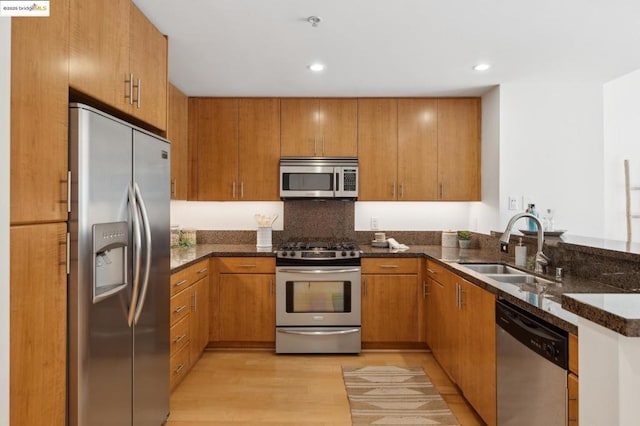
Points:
[(545, 339)]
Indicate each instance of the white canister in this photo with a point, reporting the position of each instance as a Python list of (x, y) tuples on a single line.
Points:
[(263, 237), (449, 239)]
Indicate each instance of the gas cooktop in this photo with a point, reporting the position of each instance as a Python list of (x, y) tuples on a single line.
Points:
[(318, 250)]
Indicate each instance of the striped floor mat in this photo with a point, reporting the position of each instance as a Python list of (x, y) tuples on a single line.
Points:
[(388, 395)]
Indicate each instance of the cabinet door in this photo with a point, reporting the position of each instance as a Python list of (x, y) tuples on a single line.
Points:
[(199, 318), (377, 149), (39, 116), (299, 127), (259, 149), (177, 133), (247, 307), (99, 50), (148, 63), (459, 149), (214, 148), (477, 350), (338, 122), (390, 308), (38, 324), (417, 150), (446, 348), (573, 400)]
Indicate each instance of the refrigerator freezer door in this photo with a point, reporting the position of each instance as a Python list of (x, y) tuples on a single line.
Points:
[(151, 328), (100, 339)]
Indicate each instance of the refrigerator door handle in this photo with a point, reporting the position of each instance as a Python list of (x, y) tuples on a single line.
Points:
[(137, 250), (147, 239)]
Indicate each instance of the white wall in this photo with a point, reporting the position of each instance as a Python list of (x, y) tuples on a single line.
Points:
[(5, 99), (228, 215), (412, 216), (551, 150), (484, 217), (622, 141)]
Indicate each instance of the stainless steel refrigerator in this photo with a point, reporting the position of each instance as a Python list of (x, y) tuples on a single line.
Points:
[(118, 371)]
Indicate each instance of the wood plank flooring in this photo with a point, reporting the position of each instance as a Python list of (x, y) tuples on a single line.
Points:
[(262, 388)]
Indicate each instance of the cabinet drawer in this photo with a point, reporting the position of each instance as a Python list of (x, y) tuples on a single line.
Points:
[(185, 277), (178, 366), (179, 335), (246, 265), (391, 265), (438, 272), (180, 304), (573, 399)]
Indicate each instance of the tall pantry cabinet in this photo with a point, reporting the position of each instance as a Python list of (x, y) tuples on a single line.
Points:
[(92, 47), (38, 236)]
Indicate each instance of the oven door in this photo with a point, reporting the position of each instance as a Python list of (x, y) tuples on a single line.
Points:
[(307, 182), (318, 296)]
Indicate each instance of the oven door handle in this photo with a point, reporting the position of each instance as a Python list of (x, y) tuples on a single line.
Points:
[(318, 271), (320, 333)]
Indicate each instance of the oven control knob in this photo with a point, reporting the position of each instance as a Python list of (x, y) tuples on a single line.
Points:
[(292, 254), (353, 253), (344, 253)]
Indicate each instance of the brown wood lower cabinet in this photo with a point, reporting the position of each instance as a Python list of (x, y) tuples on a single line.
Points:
[(572, 383), (461, 334), (38, 324), (391, 292), (245, 302), (189, 318)]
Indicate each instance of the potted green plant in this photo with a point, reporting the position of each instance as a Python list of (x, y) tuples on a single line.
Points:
[(464, 239)]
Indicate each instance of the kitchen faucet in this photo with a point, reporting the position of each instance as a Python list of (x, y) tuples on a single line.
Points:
[(541, 258)]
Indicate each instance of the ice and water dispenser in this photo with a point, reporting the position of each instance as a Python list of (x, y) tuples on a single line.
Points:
[(110, 243)]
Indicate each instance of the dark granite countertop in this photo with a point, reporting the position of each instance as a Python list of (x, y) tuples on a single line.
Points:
[(549, 306), (617, 312)]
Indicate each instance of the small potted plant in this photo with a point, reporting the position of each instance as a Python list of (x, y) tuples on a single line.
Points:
[(464, 239)]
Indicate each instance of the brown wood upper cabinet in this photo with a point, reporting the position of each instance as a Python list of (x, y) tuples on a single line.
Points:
[(39, 117), (119, 58), (323, 127), (234, 149), (459, 149), (178, 133), (419, 149)]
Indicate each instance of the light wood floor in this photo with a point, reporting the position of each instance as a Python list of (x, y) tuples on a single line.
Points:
[(262, 388)]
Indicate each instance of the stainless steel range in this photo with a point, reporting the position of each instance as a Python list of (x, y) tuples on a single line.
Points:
[(318, 298)]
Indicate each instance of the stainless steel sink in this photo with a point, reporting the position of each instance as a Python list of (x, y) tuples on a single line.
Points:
[(493, 268), (521, 278)]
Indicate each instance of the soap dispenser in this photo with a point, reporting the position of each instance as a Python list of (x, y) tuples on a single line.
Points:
[(521, 254), (532, 211)]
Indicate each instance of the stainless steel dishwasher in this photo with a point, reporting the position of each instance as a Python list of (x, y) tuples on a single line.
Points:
[(532, 357)]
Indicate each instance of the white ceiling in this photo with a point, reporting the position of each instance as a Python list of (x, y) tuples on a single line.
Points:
[(391, 47)]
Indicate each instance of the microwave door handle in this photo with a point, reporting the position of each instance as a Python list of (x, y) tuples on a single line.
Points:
[(337, 182)]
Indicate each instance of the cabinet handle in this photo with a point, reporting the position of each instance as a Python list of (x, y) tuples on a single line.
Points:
[(179, 338), (195, 301), (457, 296), (203, 270), (441, 191), (179, 283), (425, 293), (129, 81), (364, 286), (173, 187), (323, 146), (247, 266), (271, 287), (180, 309), (393, 190), (573, 419), (68, 185), (315, 146), (431, 271), (233, 190), (402, 190), (179, 369), (573, 399), (389, 266), (138, 92), (242, 189)]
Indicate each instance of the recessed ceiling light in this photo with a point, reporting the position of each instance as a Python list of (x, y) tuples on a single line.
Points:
[(316, 67), (482, 67)]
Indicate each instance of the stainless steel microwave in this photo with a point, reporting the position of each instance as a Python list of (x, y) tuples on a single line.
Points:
[(318, 177)]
